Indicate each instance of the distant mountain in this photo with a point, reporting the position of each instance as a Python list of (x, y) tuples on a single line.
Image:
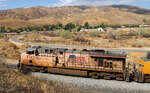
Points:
[(133, 9), (113, 14)]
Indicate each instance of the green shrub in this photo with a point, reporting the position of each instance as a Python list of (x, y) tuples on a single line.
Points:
[(51, 34), (69, 26), (112, 35), (80, 39), (95, 34), (86, 25), (145, 33), (66, 35), (133, 33), (139, 44), (1, 35)]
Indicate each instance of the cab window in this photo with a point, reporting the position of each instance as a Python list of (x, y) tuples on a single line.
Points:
[(30, 52)]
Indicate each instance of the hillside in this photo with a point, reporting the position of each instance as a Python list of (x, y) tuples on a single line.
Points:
[(114, 14)]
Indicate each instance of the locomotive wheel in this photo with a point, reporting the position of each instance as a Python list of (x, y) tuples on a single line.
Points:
[(141, 77), (43, 70), (136, 77), (94, 75), (119, 78), (128, 79), (23, 70), (107, 77), (127, 76)]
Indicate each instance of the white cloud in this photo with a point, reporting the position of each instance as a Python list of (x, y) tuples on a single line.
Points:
[(96, 2)]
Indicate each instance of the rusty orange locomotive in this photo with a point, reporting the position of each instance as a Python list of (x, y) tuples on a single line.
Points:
[(94, 63)]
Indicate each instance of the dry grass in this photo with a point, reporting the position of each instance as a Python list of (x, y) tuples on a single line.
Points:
[(111, 39), (8, 50), (15, 82), (73, 39), (21, 17)]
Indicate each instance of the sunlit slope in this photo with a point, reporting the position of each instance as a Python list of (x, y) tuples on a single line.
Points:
[(122, 14)]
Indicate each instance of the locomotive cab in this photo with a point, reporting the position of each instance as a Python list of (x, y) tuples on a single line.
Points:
[(144, 64), (143, 69), (30, 51)]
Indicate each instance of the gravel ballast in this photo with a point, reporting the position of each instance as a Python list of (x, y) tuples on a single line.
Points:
[(104, 86)]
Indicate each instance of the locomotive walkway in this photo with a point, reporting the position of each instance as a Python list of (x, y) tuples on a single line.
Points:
[(16, 40)]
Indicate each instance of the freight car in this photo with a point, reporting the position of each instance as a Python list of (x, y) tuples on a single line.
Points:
[(89, 63)]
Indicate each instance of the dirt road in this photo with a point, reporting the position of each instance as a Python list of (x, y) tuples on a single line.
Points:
[(16, 40)]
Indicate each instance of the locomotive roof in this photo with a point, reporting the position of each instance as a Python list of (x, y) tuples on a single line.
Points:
[(93, 52)]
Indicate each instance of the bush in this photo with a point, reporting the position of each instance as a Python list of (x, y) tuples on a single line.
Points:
[(80, 39), (133, 33), (86, 25), (138, 44), (1, 35), (145, 33), (121, 35), (95, 34), (51, 34), (69, 26), (112, 35), (66, 35)]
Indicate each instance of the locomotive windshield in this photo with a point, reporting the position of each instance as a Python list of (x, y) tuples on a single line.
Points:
[(30, 51)]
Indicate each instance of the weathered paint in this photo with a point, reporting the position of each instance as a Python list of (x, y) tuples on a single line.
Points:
[(79, 61)]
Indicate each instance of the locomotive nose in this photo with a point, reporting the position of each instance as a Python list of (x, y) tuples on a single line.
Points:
[(146, 67)]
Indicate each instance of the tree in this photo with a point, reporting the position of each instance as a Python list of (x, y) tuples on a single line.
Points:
[(47, 27), (103, 25), (69, 26), (59, 26), (79, 28), (21, 29), (86, 25), (13, 30), (29, 28)]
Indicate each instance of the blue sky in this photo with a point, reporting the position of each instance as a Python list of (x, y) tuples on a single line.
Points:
[(8, 4)]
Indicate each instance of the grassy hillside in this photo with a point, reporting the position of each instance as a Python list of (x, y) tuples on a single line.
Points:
[(115, 14)]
